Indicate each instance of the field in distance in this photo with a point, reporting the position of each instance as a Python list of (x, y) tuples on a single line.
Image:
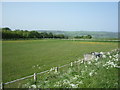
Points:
[(24, 57)]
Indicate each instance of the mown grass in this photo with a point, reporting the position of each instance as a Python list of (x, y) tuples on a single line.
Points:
[(20, 56)]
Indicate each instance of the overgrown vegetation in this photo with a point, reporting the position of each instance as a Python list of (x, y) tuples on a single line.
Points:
[(98, 73)]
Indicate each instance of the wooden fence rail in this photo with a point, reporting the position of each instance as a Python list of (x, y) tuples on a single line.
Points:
[(34, 75)]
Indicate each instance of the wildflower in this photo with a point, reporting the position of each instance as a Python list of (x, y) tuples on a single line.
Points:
[(97, 63), (96, 59), (107, 68), (79, 60), (116, 84), (82, 71), (104, 65), (46, 81), (90, 74), (80, 82), (69, 70), (74, 78), (108, 53), (77, 76), (113, 59), (117, 66), (66, 81), (58, 84), (116, 56), (89, 62), (104, 56), (71, 64), (95, 72), (26, 85), (73, 85), (116, 59), (75, 61), (33, 86), (101, 53), (33, 66), (110, 56)]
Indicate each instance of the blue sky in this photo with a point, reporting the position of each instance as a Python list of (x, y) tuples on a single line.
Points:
[(78, 16)]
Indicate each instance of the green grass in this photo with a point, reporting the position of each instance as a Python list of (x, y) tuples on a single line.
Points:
[(97, 73), (21, 55)]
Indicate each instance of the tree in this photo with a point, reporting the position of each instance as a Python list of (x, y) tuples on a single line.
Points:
[(33, 34), (84, 37), (7, 33), (6, 28), (89, 36), (50, 35), (44, 34)]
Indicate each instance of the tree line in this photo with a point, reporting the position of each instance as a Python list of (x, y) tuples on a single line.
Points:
[(83, 37), (7, 33)]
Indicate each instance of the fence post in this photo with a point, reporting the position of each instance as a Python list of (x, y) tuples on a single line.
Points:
[(1, 86), (56, 69), (35, 77)]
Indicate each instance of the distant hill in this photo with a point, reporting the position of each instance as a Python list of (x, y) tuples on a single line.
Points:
[(95, 34)]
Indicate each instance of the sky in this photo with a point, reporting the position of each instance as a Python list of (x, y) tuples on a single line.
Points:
[(68, 16)]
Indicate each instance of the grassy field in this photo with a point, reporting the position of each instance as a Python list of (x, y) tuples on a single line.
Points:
[(95, 73), (24, 57)]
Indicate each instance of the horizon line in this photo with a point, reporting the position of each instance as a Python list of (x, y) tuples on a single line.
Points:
[(59, 30)]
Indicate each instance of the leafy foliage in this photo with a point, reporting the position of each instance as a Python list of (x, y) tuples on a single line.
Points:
[(20, 34), (84, 37)]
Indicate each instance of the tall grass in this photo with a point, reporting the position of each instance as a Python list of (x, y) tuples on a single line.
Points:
[(98, 73)]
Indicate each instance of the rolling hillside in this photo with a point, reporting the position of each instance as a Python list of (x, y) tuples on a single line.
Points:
[(95, 34)]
